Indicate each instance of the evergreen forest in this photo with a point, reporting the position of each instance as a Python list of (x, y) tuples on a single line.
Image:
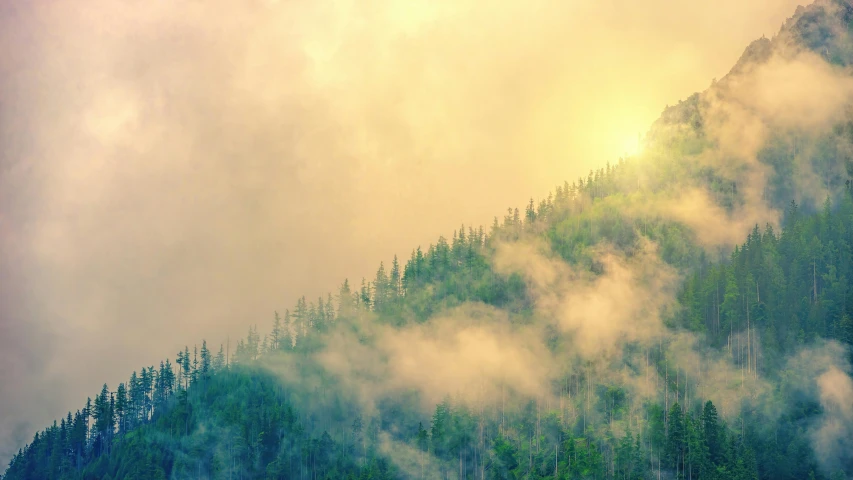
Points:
[(682, 313)]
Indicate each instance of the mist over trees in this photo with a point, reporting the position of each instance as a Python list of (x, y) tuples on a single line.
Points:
[(683, 313)]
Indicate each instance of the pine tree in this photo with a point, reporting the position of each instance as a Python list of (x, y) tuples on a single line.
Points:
[(286, 342), (711, 432), (219, 360), (194, 371), (121, 407), (101, 414), (380, 288), (300, 318), (638, 471), (179, 358), (365, 295), (87, 413), (394, 282), (275, 336), (253, 341), (205, 360), (185, 366), (320, 316), (676, 438), (345, 303), (169, 380), (330, 310), (530, 212)]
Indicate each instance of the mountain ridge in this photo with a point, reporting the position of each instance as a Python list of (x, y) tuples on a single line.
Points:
[(531, 281)]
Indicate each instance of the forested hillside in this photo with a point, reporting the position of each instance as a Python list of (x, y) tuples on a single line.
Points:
[(684, 313)]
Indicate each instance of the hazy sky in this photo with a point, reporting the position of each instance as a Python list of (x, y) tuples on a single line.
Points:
[(177, 170)]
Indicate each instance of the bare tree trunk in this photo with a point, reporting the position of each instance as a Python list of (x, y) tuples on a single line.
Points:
[(748, 341), (538, 423), (718, 308), (814, 279), (666, 398)]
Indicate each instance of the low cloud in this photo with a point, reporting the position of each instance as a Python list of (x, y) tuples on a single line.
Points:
[(834, 434), (469, 353), (179, 171), (601, 312)]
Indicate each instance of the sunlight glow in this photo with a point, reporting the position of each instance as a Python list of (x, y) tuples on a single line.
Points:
[(631, 146)]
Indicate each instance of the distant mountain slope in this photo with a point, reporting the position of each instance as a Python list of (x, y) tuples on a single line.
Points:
[(783, 109), (684, 313)]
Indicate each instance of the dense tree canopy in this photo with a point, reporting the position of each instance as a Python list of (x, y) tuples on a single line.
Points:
[(269, 407)]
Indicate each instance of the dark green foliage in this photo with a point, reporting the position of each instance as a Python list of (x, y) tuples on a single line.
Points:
[(210, 416), (786, 288), (211, 419)]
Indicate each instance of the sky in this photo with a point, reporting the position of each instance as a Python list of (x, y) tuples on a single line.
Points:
[(173, 171)]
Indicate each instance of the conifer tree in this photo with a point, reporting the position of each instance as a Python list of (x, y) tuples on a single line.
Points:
[(276, 334), (205, 360), (219, 360), (676, 438)]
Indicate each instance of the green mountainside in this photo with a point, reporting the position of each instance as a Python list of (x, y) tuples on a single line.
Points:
[(684, 313)]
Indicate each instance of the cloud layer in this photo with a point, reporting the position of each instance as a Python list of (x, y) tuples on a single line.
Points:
[(178, 170)]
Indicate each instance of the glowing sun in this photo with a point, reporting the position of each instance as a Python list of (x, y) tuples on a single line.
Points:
[(632, 145)]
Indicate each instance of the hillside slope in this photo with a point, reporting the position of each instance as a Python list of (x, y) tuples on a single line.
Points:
[(684, 313)]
